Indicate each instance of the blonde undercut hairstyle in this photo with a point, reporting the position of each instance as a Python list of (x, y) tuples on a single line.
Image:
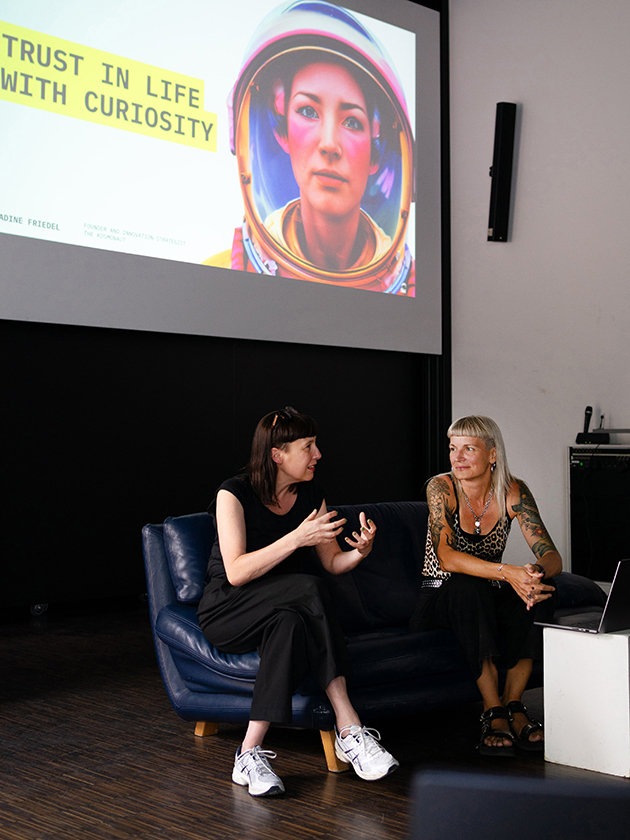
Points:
[(476, 425)]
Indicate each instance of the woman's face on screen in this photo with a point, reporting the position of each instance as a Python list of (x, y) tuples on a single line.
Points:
[(329, 138)]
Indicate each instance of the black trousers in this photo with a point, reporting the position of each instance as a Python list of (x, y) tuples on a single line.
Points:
[(488, 620), (290, 620)]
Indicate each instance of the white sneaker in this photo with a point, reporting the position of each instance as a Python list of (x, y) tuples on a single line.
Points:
[(361, 748), (252, 768)]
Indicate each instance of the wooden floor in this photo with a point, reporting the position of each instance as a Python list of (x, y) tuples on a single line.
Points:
[(90, 748)]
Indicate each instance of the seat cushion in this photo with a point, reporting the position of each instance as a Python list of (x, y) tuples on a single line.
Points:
[(394, 655), (378, 658), (202, 666)]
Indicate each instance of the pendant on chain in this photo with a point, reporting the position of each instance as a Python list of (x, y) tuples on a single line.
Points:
[(481, 515)]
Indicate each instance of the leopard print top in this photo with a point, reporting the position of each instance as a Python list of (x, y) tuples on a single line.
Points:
[(488, 547)]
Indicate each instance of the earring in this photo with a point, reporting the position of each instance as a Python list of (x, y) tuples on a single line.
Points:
[(493, 466)]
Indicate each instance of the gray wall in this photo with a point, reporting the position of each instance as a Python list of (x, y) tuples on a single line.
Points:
[(541, 324)]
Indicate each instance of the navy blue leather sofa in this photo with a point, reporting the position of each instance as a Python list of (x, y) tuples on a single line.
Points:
[(396, 672)]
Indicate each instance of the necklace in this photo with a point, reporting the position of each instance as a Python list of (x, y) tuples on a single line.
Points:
[(480, 517)]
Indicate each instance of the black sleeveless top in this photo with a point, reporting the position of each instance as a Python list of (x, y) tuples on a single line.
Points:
[(263, 527)]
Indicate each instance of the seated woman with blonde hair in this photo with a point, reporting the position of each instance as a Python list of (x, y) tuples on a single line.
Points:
[(466, 586)]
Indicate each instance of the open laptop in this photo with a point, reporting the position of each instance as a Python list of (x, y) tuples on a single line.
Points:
[(616, 615)]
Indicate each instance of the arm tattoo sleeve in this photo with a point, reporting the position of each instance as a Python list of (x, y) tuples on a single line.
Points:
[(439, 508), (530, 521)]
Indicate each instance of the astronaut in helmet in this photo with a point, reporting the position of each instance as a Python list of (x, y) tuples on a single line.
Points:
[(325, 152), (326, 129)]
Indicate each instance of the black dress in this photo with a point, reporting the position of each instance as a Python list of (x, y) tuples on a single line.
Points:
[(285, 614)]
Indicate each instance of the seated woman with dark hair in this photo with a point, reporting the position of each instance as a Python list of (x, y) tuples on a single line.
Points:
[(259, 598), (467, 587)]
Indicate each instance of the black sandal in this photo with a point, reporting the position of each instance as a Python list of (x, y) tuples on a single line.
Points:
[(522, 738), (495, 713)]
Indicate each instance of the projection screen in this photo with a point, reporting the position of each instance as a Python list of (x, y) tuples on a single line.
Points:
[(252, 169)]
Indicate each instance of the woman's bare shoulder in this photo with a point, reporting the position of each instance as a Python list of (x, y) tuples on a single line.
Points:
[(443, 481), (518, 494), (440, 488)]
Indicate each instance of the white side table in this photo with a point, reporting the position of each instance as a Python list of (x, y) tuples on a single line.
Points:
[(587, 700)]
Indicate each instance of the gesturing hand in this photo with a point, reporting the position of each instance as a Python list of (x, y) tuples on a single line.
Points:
[(315, 529), (363, 540)]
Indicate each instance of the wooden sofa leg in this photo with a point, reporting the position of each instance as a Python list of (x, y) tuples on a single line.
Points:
[(328, 740), (206, 727)]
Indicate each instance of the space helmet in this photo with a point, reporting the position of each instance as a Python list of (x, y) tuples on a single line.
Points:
[(301, 32)]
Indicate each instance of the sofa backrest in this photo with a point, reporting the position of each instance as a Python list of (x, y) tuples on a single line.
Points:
[(188, 541), (380, 592)]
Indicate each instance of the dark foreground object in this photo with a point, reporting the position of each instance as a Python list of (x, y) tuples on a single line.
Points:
[(450, 804)]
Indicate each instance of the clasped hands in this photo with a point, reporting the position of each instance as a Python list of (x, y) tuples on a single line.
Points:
[(527, 582)]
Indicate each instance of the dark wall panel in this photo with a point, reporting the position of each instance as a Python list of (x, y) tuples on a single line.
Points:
[(106, 430)]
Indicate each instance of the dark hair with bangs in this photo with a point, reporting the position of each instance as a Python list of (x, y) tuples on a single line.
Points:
[(275, 430)]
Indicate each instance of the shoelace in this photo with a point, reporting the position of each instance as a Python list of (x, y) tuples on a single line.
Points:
[(370, 744), (259, 757)]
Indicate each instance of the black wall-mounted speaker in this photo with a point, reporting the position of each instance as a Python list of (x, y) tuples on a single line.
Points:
[(501, 172)]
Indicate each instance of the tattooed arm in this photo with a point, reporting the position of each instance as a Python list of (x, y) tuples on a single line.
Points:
[(440, 511), (523, 506)]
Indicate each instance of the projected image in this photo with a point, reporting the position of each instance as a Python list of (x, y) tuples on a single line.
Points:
[(119, 137), (260, 169), (322, 136)]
